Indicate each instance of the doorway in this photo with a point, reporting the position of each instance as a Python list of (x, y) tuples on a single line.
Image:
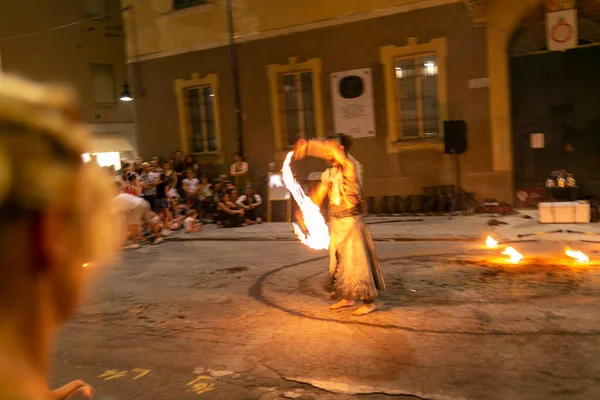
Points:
[(557, 94)]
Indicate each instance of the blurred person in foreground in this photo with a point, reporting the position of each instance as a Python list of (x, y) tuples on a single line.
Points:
[(54, 211), (355, 271)]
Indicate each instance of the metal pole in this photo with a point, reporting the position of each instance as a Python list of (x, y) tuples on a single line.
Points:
[(457, 162), (235, 77)]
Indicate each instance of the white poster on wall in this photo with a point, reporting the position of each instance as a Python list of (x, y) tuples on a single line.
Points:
[(562, 30), (352, 98)]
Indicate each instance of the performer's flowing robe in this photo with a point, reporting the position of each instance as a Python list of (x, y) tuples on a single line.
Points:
[(354, 268)]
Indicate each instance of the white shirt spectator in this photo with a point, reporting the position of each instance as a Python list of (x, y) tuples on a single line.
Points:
[(241, 201), (125, 202), (188, 224), (192, 184)]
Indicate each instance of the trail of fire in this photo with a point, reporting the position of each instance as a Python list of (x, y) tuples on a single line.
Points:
[(577, 255), (491, 242), (514, 255), (317, 236)]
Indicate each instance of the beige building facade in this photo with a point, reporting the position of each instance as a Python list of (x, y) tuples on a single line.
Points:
[(79, 43), (429, 61)]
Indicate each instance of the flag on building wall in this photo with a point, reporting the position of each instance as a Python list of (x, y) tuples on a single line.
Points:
[(561, 25)]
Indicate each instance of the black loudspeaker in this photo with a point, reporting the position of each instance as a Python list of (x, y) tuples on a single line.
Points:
[(455, 136)]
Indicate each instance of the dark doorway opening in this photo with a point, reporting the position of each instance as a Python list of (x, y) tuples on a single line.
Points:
[(557, 94)]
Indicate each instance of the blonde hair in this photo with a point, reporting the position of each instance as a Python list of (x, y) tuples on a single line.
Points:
[(42, 138)]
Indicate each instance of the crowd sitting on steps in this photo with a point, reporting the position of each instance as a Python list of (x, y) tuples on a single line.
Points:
[(155, 198)]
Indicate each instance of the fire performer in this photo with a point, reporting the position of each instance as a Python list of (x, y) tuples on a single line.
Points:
[(354, 268)]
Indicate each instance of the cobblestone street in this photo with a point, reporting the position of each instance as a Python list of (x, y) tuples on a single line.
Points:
[(224, 319)]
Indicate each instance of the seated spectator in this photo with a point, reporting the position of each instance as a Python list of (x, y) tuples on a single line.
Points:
[(133, 187), (191, 224), (134, 210), (207, 201), (191, 185), (250, 202), (234, 195), (218, 193), (230, 215), (47, 232), (179, 213)]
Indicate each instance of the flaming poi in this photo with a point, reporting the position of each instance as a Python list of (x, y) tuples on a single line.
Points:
[(577, 255), (514, 255), (491, 242), (317, 235)]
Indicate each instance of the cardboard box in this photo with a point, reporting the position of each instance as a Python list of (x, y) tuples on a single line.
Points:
[(568, 212)]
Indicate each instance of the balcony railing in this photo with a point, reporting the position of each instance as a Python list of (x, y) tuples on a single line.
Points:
[(180, 4)]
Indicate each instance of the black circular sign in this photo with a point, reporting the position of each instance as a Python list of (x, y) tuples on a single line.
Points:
[(351, 87)]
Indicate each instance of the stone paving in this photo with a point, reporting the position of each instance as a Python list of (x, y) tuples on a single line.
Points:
[(210, 317), (429, 228)]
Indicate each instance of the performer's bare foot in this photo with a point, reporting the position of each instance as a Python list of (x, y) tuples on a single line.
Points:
[(365, 309), (342, 304)]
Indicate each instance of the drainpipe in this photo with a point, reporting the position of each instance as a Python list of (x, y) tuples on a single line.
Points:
[(236, 78)]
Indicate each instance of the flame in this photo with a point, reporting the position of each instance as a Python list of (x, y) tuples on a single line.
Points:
[(85, 265), (318, 233), (577, 255), (514, 255), (491, 242)]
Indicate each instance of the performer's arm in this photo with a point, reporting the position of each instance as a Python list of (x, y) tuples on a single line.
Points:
[(321, 149), (309, 148), (319, 194)]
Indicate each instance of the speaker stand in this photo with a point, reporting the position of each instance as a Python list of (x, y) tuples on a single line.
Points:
[(458, 191)]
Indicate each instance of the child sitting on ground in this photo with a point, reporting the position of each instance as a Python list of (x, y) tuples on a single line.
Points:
[(179, 213), (191, 223)]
